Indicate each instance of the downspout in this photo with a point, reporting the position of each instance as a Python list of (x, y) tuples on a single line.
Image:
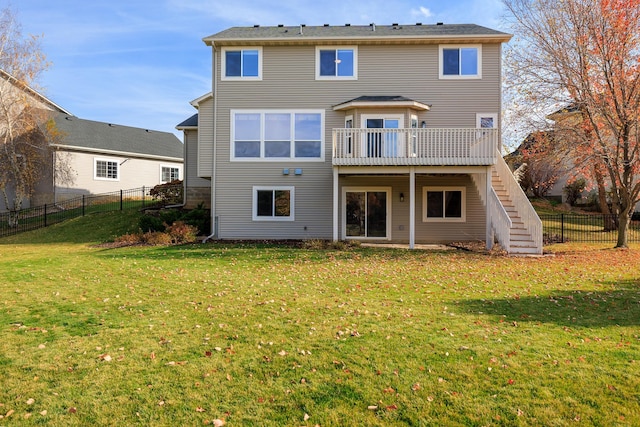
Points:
[(215, 146)]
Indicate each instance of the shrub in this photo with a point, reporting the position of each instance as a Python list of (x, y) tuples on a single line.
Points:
[(199, 218), (169, 216), (155, 238), (169, 193), (573, 190), (148, 223), (180, 232), (128, 239)]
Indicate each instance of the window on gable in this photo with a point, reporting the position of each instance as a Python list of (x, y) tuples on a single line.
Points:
[(169, 173), (277, 135), (460, 62), (444, 204), (106, 169), (242, 63), (273, 203), (336, 63)]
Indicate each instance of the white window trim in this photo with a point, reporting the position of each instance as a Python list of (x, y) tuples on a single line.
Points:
[(442, 76), (463, 191), (262, 113), (254, 205), (162, 181), (480, 116), (355, 63), (223, 63), (95, 169), (346, 190)]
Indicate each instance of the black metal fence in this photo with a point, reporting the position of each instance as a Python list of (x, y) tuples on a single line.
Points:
[(560, 228), (14, 222)]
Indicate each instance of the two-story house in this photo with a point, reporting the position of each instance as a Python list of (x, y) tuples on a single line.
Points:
[(376, 133)]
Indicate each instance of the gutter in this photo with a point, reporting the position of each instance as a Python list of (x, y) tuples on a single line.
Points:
[(215, 147)]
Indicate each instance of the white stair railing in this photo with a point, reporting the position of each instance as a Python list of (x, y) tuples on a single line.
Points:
[(529, 217)]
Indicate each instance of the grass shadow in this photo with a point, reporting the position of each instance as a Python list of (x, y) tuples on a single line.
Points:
[(619, 306)]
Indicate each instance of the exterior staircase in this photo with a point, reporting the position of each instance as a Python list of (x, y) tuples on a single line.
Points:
[(516, 224)]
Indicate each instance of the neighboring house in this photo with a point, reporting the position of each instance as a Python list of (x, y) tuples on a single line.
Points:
[(108, 157), (374, 133), (103, 157)]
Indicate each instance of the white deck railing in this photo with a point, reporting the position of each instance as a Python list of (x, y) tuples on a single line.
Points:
[(415, 147), (528, 215)]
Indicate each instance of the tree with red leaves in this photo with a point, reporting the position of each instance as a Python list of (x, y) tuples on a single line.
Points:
[(585, 55)]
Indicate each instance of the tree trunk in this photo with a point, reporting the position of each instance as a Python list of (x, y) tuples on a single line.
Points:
[(610, 222), (624, 219)]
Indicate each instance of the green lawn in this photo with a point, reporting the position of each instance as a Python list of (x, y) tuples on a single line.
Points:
[(269, 335)]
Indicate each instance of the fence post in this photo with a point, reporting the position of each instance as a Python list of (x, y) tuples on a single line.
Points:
[(143, 196), (562, 228), (83, 205), (120, 199), (45, 215)]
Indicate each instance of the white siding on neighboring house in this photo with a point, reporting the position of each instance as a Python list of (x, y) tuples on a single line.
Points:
[(133, 172)]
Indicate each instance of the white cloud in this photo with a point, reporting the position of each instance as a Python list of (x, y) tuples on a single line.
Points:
[(421, 12)]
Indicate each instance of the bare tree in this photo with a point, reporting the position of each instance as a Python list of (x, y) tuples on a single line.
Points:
[(26, 130), (586, 54)]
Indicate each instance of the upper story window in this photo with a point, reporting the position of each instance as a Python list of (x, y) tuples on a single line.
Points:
[(106, 169), (277, 135), (242, 63), (336, 63), (460, 61)]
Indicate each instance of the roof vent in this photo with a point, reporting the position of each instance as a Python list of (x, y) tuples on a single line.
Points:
[(111, 125), (256, 26), (347, 25), (280, 25), (68, 118), (439, 23), (326, 25), (147, 130), (395, 24), (418, 23), (301, 27), (373, 26)]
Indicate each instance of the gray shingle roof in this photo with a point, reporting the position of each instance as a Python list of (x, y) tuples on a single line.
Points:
[(438, 31), (88, 134), (189, 123)]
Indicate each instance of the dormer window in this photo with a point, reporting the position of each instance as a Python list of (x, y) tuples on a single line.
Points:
[(242, 63), (460, 61), (336, 63)]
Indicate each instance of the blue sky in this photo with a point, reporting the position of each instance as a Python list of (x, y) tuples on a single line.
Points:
[(140, 62)]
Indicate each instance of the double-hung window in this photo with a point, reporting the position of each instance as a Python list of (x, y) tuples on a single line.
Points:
[(273, 203), (105, 169), (460, 61), (444, 204), (242, 63), (336, 63), (277, 135), (169, 173)]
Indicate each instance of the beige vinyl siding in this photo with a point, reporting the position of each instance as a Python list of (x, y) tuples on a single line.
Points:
[(473, 228), (288, 83), (197, 190), (205, 139)]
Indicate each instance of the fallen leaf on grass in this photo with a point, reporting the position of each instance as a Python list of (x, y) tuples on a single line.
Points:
[(105, 357), (392, 407), (9, 413), (306, 417), (415, 387), (43, 413), (372, 407), (218, 423), (30, 401), (200, 409), (73, 410)]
